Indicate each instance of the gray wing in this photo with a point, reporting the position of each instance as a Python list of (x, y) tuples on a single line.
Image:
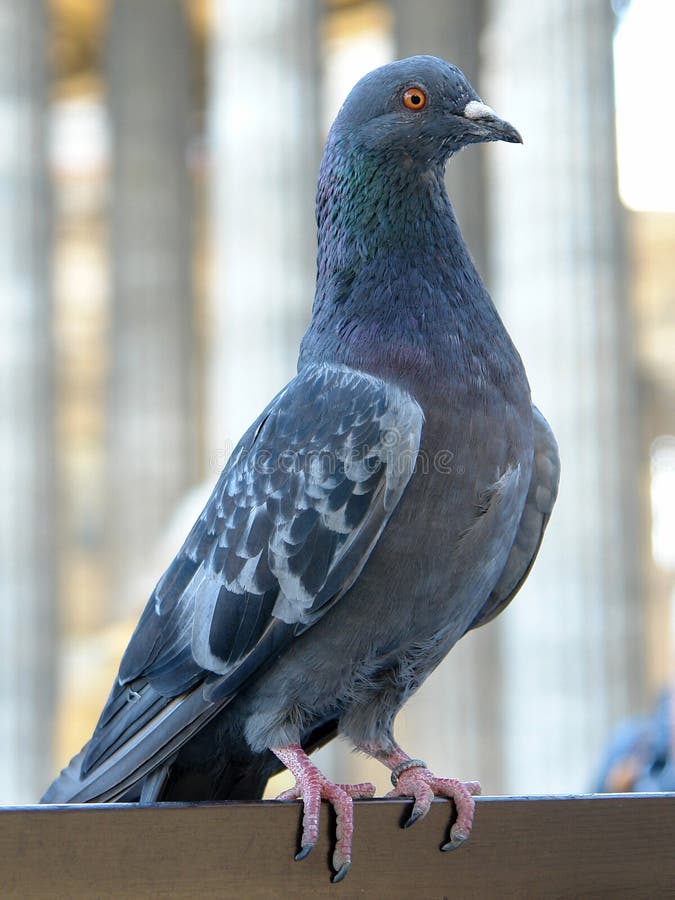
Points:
[(289, 526), (541, 497)]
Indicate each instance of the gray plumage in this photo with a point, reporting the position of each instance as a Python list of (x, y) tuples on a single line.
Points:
[(390, 498)]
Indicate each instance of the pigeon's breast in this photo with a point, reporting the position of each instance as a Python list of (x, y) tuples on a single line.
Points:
[(447, 542)]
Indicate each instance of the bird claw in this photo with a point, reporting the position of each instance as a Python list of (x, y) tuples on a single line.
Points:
[(312, 786), (341, 872), (312, 790), (414, 816), (422, 785), (455, 843)]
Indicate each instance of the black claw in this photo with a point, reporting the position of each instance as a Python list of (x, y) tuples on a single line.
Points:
[(452, 845), (341, 872), (304, 852), (414, 816)]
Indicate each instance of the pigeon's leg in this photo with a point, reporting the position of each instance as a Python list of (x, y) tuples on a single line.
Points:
[(312, 786), (412, 778)]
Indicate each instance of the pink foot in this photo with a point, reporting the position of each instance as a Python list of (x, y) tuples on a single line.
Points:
[(422, 785), (312, 786)]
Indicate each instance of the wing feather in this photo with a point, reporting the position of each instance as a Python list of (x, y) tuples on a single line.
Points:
[(287, 530), (541, 497)]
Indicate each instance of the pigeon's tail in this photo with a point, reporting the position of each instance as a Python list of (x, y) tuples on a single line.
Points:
[(119, 775), (161, 784), (177, 763), (68, 784)]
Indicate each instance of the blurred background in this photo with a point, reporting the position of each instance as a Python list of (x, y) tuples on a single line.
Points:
[(157, 168)]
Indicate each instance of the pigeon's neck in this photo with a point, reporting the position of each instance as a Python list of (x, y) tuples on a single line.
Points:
[(397, 292)]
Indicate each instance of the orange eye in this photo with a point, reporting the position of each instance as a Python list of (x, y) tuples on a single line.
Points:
[(415, 98)]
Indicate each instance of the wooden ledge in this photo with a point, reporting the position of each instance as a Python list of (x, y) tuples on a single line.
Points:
[(620, 846)]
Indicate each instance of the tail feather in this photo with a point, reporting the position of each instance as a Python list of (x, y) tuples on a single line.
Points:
[(68, 783), (150, 747)]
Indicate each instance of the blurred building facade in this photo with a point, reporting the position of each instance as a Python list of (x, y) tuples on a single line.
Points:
[(28, 524), (182, 140)]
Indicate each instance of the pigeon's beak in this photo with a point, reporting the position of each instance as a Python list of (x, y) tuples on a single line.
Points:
[(489, 125)]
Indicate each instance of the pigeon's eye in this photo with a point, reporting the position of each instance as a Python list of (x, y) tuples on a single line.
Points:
[(415, 98)]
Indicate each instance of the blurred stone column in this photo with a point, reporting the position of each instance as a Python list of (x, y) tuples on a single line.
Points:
[(264, 89), (455, 720), (574, 638), (152, 415), (27, 533)]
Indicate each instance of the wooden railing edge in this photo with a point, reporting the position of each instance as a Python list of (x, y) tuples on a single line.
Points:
[(536, 846)]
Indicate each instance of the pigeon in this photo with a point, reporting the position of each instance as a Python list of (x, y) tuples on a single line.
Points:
[(640, 754), (389, 499)]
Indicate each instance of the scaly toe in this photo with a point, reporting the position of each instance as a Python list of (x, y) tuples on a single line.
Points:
[(290, 794), (363, 791)]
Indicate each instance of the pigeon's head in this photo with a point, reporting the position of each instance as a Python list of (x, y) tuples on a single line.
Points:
[(421, 110)]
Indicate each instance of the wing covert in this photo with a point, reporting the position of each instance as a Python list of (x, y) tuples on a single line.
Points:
[(288, 528), (541, 497)]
